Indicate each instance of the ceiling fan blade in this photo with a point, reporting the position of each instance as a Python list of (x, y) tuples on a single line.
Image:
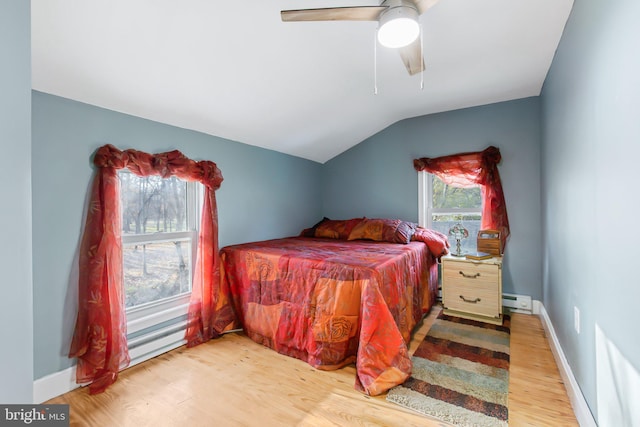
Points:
[(363, 13), (412, 57), (423, 5)]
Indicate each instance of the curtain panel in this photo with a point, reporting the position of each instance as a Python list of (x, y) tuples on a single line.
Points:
[(469, 169), (100, 336)]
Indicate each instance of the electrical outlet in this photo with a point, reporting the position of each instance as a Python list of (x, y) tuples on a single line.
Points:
[(576, 319)]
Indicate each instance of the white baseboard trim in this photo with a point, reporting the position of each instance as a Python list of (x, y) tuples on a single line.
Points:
[(578, 402), (53, 385), (61, 382)]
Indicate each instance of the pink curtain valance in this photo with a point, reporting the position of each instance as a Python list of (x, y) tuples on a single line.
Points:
[(171, 163), (474, 168), (99, 340)]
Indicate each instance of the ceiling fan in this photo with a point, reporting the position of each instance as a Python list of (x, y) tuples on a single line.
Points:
[(398, 25)]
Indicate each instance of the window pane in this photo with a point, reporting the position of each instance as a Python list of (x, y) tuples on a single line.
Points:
[(471, 222), (154, 271), (454, 205), (448, 197), (152, 204)]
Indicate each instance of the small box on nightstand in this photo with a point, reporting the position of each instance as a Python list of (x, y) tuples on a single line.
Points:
[(490, 241)]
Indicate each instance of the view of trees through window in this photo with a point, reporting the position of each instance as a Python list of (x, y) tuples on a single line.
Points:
[(152, 204), (451, 205), (157, 238)]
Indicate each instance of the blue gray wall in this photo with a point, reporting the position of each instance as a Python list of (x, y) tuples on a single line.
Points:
[(591, 147), (376, 178), (16, 316), (264, 195)]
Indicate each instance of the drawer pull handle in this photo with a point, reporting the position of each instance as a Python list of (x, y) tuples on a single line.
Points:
[(472, 301), (469, 276)]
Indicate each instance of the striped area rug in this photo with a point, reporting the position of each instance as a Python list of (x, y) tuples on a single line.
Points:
[(460, 373)]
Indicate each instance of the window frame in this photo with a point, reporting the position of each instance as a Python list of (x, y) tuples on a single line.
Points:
[(152, 313)]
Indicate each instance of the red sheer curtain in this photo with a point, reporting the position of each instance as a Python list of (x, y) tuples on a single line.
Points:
[(468, 169), (99, 341)]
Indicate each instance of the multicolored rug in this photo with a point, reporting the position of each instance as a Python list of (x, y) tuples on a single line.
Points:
[(460, 373)]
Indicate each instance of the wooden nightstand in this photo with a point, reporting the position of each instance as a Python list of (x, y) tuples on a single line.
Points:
[(472, 289)]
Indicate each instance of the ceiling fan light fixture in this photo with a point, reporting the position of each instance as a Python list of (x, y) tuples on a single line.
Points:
[(398, 26)]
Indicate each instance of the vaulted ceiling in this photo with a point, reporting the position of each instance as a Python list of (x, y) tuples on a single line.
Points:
[(233, 69)]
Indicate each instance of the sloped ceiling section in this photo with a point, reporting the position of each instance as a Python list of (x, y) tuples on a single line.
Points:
[(234, 70)]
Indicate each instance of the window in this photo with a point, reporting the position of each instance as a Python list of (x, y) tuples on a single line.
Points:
[(158, 324), (442, 206), (159, 242)]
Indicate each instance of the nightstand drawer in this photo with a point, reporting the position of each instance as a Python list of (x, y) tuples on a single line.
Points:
[(473, 298), (479, 274)]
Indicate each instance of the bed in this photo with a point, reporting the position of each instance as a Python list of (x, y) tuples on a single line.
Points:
[(332, 301)]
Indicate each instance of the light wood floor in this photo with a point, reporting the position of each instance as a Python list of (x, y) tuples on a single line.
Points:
[(233, 381)]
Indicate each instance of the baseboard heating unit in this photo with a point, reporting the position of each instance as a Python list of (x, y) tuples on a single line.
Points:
[(517, 303)]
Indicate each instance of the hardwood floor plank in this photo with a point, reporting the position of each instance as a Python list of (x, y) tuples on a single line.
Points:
[(233, 381)]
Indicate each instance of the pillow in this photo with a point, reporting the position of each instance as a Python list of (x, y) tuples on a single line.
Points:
[(336, 229), (311, 232), (404, 232), (384, 230), (437, 242)]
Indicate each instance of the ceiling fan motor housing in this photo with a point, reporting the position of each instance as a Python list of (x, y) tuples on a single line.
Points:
[(398, 25)]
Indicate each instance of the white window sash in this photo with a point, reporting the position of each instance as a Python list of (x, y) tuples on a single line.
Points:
[(145, 315), (161, 237), (425, 194), (453, 211)]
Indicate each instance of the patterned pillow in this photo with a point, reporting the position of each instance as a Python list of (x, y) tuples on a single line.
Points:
[(437, 242), (336, 229), (384, 230), (311, 232)]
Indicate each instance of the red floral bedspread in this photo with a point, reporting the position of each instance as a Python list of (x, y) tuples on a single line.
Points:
[(333, 302)]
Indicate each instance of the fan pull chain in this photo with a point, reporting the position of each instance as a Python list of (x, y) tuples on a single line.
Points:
[(422, 65), (375, 63)]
